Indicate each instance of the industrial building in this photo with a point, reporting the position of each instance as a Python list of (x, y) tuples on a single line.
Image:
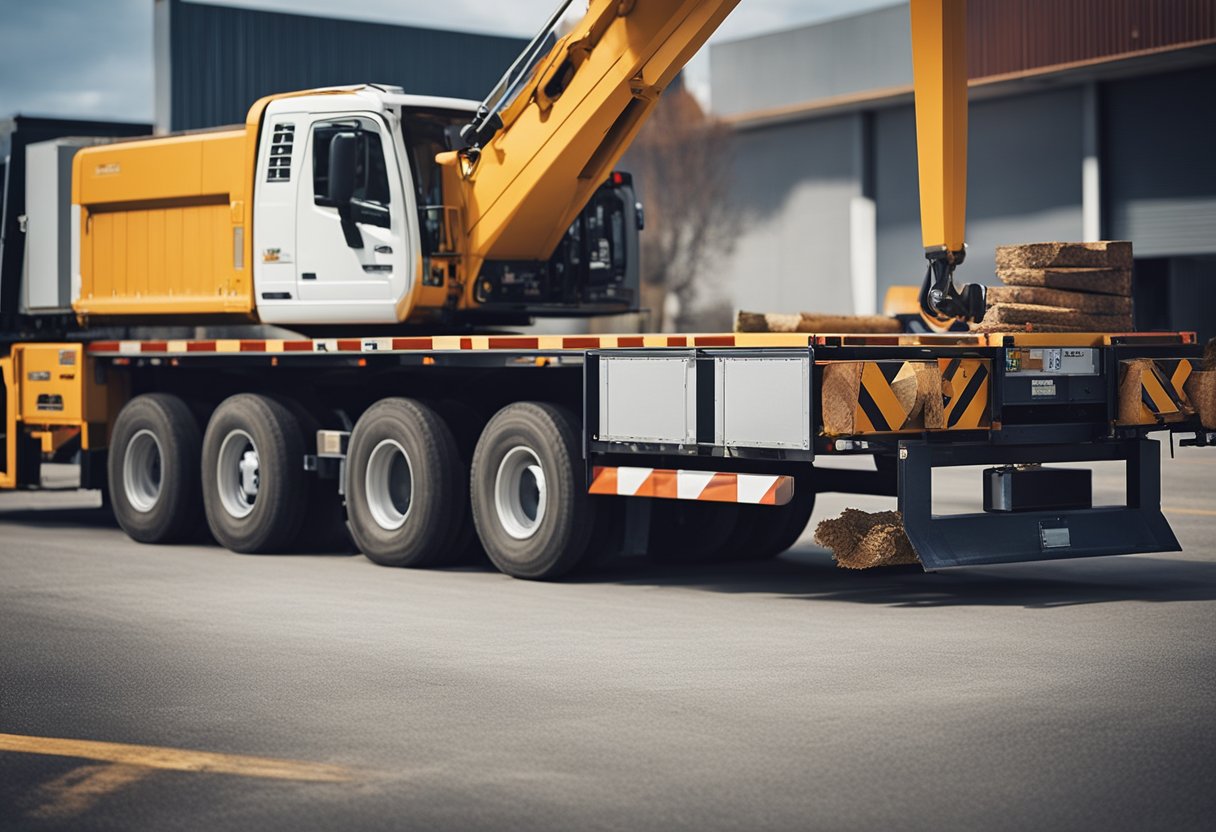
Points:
[(213, 61), (1090, 120)]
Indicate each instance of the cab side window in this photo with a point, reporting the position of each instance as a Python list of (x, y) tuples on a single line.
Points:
[(371, 175)]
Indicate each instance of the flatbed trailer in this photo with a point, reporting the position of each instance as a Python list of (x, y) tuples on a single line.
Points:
[(553, 448), (379, 217)]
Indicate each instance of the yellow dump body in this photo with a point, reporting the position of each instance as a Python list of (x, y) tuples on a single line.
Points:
[(164, 226)]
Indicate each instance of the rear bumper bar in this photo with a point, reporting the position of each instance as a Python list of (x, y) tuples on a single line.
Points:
[(944, 541)]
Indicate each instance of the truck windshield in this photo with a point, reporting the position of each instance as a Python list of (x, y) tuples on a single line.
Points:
[(560, 23)]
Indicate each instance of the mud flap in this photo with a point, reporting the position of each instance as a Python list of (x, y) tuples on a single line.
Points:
[(944, 541)]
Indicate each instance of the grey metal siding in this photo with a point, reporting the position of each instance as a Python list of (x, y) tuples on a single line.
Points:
[(1160, 165), (794, 185), (223, 59), (851, 55), (1023, 177)]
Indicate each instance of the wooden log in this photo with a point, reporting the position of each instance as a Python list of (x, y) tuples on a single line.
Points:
[(767, 322), (814, 322), (838, 394), (1032, 313), (1102, 281), (1200, 388), (1107, 254), (1081, 301)]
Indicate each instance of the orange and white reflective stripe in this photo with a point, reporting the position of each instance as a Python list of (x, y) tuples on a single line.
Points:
[(710, 486)]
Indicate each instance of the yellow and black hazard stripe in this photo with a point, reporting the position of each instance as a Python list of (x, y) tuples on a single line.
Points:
[(1177, 370), (878, 408), (1161, 390), (966, 393)]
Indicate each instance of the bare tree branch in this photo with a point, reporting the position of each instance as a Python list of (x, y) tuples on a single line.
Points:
[(681, 159)]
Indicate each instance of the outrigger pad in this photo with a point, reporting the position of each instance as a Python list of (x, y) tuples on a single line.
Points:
[(944, 541)]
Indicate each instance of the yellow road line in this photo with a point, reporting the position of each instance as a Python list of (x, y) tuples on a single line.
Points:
[(76, 792), (175, 759), (1198, 512)]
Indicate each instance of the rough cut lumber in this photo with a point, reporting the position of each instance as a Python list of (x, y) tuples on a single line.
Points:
[(1031, 313), (1200, 388), (838, 394), (767, 322), (1106, 255), (813, 322), (861, 540), (1102, 281), (988, 327), (1133, 400), (1081, 301)]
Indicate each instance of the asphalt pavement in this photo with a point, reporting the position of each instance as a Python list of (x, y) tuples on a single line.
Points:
[(187, 687)]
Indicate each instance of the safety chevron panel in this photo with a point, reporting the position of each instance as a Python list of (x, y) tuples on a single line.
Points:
[(878, 407), (1153, 391), (906, 396), (709, 486), (965, 383)]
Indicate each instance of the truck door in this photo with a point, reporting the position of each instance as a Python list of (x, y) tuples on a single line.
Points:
[(355, 251)]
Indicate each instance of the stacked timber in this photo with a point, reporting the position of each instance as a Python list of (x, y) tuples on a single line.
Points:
[(1061, 287), (814, 322)]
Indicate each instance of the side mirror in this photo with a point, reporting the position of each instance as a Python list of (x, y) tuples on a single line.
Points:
[(343, 160)]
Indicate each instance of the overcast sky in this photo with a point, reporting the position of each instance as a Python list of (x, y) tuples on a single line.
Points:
[(93, 58)]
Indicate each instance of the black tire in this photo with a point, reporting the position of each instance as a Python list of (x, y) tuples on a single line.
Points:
[(413, 523), (166, 506), (549, 542), (690, 531), (764, 532), (270, 519)]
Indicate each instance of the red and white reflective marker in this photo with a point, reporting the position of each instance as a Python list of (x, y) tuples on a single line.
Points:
[(710, 486)]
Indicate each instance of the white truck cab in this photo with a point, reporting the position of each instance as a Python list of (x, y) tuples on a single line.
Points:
[(315, 261)]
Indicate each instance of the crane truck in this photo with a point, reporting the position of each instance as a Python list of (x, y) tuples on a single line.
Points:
[(384, 243)]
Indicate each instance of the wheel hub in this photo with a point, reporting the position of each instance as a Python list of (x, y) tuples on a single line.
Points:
[(520, 494), (142, 470), (238, 474)]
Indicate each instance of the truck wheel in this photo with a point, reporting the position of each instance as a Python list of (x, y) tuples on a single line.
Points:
[(152, 471), (765, 532), (531, 510), (688, 531), (254, 487), (405, 485)]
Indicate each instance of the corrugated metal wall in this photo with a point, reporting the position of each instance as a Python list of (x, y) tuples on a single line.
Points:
[(871, 51), (1023, 182), (1159, 148), (792, 186), (1005, 36), (222, 59)]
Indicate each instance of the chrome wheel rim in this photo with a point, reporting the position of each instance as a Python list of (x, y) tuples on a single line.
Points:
[(143, 471), (520, 495), (389, 485), (238, 474)]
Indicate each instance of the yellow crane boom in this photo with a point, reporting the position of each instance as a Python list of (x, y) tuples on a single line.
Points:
[(568, 109)]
